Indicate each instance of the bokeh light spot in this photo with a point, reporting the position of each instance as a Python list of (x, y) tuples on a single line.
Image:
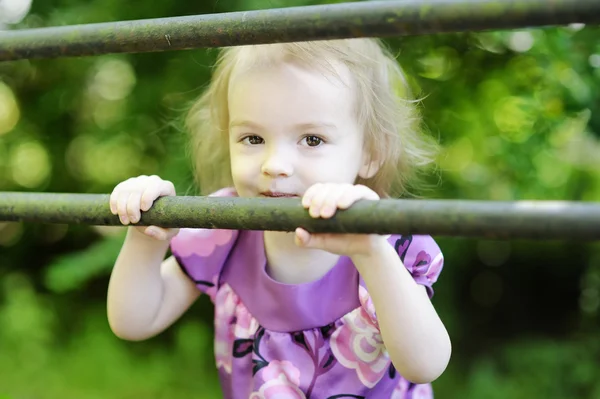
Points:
[(114, 79), (30, 164), (9, 109), (515, 117)]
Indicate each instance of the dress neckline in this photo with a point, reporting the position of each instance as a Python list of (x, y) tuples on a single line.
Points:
[(286, 307)]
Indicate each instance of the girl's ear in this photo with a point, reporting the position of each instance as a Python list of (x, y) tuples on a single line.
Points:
[(370, 166)]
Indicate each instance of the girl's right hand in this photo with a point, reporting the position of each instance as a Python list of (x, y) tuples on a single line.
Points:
[(131, 197)]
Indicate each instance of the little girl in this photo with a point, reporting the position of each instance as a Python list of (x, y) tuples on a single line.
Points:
[(297, 315)]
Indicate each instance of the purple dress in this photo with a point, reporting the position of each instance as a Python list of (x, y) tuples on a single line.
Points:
[(317, 340)]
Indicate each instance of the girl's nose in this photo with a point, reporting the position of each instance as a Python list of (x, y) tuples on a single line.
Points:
[(277, 164)]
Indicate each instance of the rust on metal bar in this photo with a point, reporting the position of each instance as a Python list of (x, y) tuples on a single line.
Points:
[(483, 219), (318, 22)]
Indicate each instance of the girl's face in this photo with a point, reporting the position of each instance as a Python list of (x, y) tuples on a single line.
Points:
[(292, 127)]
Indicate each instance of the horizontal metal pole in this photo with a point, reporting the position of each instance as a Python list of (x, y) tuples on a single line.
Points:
[(520, 219), (332, 21)]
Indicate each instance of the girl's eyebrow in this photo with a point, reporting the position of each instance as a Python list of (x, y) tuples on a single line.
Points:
[(299, 126), (315, 125), (244, 123)]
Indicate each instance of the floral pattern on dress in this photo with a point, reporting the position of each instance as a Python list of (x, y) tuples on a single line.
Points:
[(357, 344), (234, 326), (422, 391), (187, 244), (401, 389), (282, 380), (422, 267), (343, 359)]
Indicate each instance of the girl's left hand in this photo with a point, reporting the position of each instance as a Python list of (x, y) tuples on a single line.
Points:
[(323, 200)]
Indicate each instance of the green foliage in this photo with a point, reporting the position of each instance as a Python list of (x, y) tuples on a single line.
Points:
[(515, 111), (74, 270), (531, 369), (92, 363)]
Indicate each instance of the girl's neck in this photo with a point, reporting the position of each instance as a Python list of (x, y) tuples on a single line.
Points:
[(290, 264)]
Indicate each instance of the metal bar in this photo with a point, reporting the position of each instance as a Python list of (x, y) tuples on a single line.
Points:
[(483, 219), (332, 21)]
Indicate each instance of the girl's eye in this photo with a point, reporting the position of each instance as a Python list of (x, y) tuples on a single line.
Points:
[(313, 141), (253, 140)]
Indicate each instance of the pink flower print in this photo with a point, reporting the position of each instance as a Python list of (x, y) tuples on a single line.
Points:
[(285, 367), (401, 389), (200, 242), (367, 304), (279, 388), (225, 305), (424, 266), (281, 382), (435, 268), (422, 391), (246, 325), (422, 262), (358, 345)]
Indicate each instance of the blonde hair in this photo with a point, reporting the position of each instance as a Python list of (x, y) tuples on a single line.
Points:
[(389, 119)]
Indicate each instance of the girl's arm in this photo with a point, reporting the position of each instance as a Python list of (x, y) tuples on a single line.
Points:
[(414, 335), (146, 293)]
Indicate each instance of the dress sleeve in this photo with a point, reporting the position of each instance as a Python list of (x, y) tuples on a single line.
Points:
[(421, 255), (202, 253), (424, 260)]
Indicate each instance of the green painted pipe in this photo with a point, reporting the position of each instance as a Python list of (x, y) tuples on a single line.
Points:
[(342, 20), (484, 219)]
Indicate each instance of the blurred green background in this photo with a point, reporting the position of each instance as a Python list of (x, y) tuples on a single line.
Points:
[(517, 114)]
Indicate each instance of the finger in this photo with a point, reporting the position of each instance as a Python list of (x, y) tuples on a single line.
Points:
[(318, 200), (112, 202), (167, 188), (307, 240), (122, 206), (114, 197), (152, 192), (309, 194), (322, 241), (133, 206), (163, 187), (357, 192), (302, 237), (116, 193), (157, 233), (330, 204)]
